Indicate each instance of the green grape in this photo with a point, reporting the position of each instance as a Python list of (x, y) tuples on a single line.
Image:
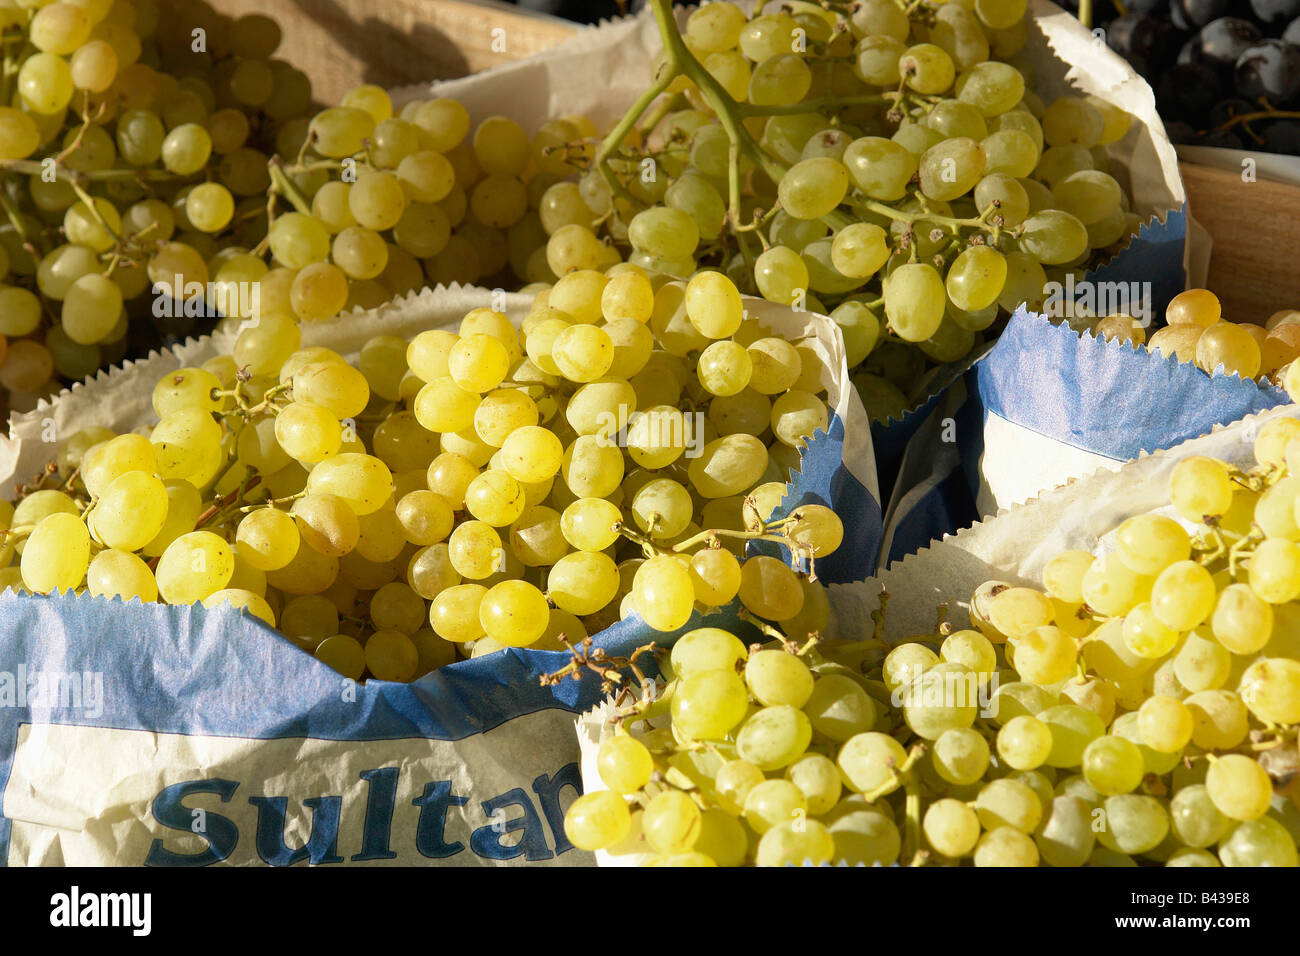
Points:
[(953, 119), (1112, 765), (776, 677), (951, 828), (1073, 728), (92, 229), (1089, 195), (326, 523), (960, 756), (1270, 688), (1053, 237), (592, 467), (454, 613), (56, 554), (1262, 842), (1072, 121), (860, 249), (268, 539), (45, 83), (341, 131), (1145, 635), (1024, 742), (1242, 621), (708, 704), (1011, 152), (120, 574), (514, 613), (377, 200), (1134, 824), (130, 512), (663, 593), (298, 240), (662, 232), (19, 135), (812, 188), (991, 87), (781, 275), (713, 305), (796, 844), (774, 737), (706, 649), (715, 27), (91, 308), (597, 820), (716, 576), (1200, 486), (951, 169), (307, 432), (1008, 803), (1065, 836), (582, 582), (914, 301), (194, 566), (781, 80), (976, 278), (624, 764), (1239, 787), (767, 36), (927, 68)]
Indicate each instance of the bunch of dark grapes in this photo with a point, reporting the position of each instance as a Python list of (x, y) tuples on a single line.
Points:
[(1225, 72)]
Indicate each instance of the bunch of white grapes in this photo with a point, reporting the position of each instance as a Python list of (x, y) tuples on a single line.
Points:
[(888, 164), (486, 488), (1141, 707), (134, 150)]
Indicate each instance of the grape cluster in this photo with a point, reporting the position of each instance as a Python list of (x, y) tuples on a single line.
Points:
[(1140, 707), (1197, 331), (892, 169), (1225, 73), (134, 148), (480, 489)]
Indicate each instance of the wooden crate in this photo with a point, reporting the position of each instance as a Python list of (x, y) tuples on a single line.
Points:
[(1256, 229), (342, 43)]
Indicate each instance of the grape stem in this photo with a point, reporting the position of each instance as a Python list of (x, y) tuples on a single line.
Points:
[(282, 184), (226, 499), (16, 220), (1085, 13)]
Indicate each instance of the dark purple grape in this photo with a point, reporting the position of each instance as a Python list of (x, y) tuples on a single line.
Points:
[(1276, 12), (1187, 92), (1150, 7), (1190, 52), (1224, 110), (1149, 45), (1283, 136), (1292, 33), (1270, 68), (1182, 133), (1223, 139), (1226, 39), (1194, 14)]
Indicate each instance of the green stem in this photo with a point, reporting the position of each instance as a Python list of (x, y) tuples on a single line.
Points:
[(282, 184), (681, 60)]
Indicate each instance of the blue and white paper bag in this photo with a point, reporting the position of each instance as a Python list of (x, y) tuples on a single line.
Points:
[(180, 736)]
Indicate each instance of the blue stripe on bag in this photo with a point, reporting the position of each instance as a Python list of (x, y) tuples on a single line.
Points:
[(1103, 397)]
